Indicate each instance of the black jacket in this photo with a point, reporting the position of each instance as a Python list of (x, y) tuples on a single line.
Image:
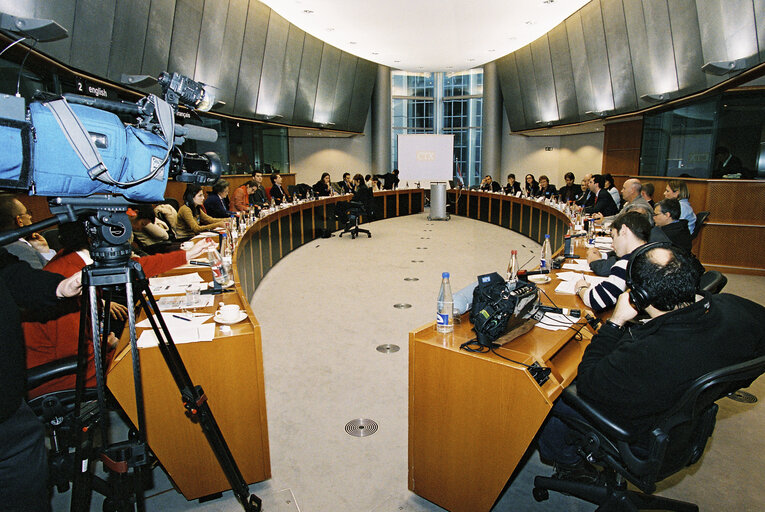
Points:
[(634, 376), (549, 192), (259, 197), (492, 187), (321, 189), (678, 234), (20, 287), (570, 192), (603, 204), (587, 198), (278, 194), (516, 187)]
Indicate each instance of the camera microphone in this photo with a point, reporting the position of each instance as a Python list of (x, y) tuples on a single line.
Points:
[(564, 311), (524, 273), (194, 132)]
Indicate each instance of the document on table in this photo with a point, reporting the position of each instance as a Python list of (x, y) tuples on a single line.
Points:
[(189, 334), (179, 302), (579, 264), (178, 320), (569, 280), (174, 285)]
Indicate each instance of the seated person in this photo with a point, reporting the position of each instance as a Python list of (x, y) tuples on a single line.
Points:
[(677, 189), (587, 197), (216, 204), (647, 193), (603, 203), (278, 194), (192, 220), (241, 198), (667, 217), (635, 375), (55, 334), (512, 187), (629, 231), (259, 198), (571, 191), (608, 185), (489, 185), (346, 186), (374, 184), (601, 266), (531, 189), (545, 189), (390, 180), (632, 198), (323, 187), (148, 231), (361, 194), (32, 249)]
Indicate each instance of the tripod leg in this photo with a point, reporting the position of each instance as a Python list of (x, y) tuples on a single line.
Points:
[(195, 402)]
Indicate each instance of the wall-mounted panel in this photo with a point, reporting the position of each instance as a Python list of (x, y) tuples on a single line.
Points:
[(325, 92), (308, 81), (543, 76), (658, 32), (639, 51), (63, 13), (686, 43), (563, 74), (341, 105), (92, 35), (273, 59), (231, 53), (759, 20), (128, 38), (528, 84), (597, 56), (727, 31), (582, 82), (363, 84), (253, 47), (290, 73), (511, 91), (158, 35), (208, 59), (619, 61), (185, 42)]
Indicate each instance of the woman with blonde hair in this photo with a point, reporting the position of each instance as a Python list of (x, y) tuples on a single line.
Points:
[(677, 189)]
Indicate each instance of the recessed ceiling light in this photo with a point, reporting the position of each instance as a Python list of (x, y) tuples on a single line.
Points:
[(529, 22), (351, 42), (396, 61), (492, 50), (471, 60), (307, 11), (330, 29), (375, 53)]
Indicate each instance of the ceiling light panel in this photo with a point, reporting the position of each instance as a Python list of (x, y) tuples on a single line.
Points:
[(435, 35)]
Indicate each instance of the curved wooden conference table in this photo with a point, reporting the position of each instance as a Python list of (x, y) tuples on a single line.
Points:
[(471, 416), (230, 368)]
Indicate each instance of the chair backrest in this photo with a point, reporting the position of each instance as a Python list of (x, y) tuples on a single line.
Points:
[(701, 217), (681, 434), (172, 202), (712, 281), (51, 236)]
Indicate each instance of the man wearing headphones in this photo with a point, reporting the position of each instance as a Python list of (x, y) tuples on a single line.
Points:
[(635, 373)]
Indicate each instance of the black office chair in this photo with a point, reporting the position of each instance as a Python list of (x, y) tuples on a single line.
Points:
[(362, 206), (677, 441), (172, 202), (701, 217), (712, 281)]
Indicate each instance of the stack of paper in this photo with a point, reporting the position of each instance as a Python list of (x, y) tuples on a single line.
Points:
[(175, 285), (188, 334), (580, 264), (569, 280)]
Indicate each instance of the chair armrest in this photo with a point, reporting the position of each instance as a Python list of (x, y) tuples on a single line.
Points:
[(39, 375), (604, 424)]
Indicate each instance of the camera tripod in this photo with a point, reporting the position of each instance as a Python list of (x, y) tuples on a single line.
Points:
[(128, 462)]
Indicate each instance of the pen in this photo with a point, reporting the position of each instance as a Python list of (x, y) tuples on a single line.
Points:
[(200, 263), (182, 318)]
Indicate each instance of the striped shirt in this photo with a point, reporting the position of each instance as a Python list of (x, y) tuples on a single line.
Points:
[(603, 296)]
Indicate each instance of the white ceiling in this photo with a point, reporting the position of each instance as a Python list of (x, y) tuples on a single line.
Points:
[(427, 35)]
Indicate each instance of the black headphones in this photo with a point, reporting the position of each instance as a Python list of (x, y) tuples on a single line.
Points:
[(639, 297)]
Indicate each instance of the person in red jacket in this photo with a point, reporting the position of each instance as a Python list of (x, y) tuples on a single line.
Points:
[(56, 336)]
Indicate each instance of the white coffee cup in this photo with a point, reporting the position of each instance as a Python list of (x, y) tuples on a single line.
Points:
[(229, 312)]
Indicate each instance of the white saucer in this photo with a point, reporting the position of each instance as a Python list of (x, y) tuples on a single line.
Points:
[(219, 320), (539, 279)]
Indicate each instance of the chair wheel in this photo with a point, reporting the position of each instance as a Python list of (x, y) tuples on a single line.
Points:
[(540, 494)]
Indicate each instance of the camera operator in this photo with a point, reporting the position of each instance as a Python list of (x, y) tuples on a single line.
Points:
[(23, 464), (634, 375), (33, 249)]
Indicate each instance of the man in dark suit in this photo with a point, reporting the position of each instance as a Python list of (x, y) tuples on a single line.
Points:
[(666, 215), (278, 194), (587, 198), (726, 163), (489, 185), (603, 202), (391, 180), (259, 197), (346, 186)]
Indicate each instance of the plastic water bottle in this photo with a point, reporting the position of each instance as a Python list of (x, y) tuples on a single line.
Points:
[(512, 267), (546, 257), (445, 306), (591, 232), (219, 272)]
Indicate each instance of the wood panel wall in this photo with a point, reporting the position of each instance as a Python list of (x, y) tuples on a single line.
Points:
[(621, 147)]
